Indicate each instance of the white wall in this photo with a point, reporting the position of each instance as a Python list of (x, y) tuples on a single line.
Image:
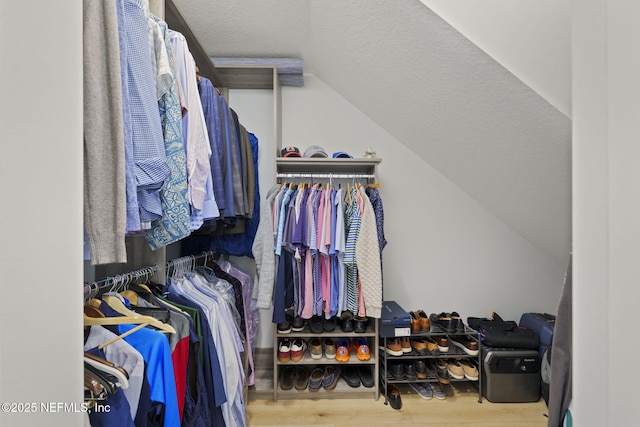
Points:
[(606, 225), (41, 226), (530, 38), (445, 251)]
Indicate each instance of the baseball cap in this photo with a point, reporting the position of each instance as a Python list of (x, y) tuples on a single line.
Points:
[(341, 155), (315, 151), (290, 152)]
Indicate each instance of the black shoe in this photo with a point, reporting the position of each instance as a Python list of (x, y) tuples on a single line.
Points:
[(393, 396), (442, 373), (285, 327), (366, 376), (458, 324), (329, 325), (410, 370), (361, 324), (421, 369), (396, 370), (346, 322), (315, 324), (351, 377), (297, 324), (444, 321)]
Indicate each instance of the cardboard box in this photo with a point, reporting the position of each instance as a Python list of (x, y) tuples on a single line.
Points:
[(394, 321)]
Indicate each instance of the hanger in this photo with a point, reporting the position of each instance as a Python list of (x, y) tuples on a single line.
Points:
[(135, 318), (109, 368), (104, 379)]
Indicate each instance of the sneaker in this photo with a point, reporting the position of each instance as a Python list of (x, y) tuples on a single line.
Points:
[(455, 369), (285, 327), (315, 324), (394, 347), (423, 391), (470, 370), (443, 343), (284, 350), (342, 351), (329, 348), (362, 349), (315, 348), (466, 343), (406, 344), (298, 346), (298, 324), (329, 325), (438, 390), (442, 373)]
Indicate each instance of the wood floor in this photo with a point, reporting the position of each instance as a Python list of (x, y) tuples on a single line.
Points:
[(460, 408)]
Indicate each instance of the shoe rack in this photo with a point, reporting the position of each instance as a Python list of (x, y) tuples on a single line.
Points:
[(454, 352), (341, 390)]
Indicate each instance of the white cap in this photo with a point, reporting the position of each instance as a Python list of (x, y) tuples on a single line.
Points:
[(315, 151)]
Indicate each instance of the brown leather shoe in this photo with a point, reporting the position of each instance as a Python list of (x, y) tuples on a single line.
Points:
[(443, 343), (423, 319), (465, 343), (420, 346), (415, 323), (432, 346)]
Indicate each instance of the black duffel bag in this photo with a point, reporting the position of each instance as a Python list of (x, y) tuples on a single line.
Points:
[(504, 333)]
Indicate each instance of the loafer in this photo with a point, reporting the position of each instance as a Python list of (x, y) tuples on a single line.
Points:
[(287, 377), (455, 369), (330, 377), (465, 343), (393, 396), (415, 323), (315, 324), (351, 377), (315, 379), (315, 348), (423, 319), (366, 375), (422, 390), (360, 324), (301, 378)]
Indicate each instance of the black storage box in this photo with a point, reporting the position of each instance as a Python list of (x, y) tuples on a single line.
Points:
[(394, 321), (510, 375)]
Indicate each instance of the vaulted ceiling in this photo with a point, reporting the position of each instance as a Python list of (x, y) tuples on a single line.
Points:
[(427, 85)]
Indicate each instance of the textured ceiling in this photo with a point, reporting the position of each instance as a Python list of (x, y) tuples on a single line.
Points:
[(444, 98)]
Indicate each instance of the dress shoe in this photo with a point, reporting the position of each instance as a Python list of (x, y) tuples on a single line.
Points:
[(366, 375), (410, 370), (442, 374), (393, 396), (396, 370), (415, 323), (350, 375), (465, 343), (421, 369)]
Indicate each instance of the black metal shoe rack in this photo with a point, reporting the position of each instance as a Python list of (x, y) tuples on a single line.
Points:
[(453, 353)]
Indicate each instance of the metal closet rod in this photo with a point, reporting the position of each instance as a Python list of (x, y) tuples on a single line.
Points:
[(190, 259), (123, 280), (327, 175)]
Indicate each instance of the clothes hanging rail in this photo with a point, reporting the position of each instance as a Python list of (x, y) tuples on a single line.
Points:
[(119, 281), (327, 175), (186, 263)]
